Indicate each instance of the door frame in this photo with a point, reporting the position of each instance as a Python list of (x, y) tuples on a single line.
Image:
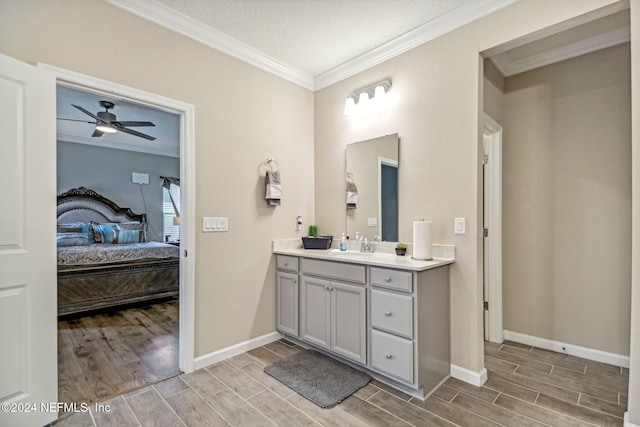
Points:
[(186, 339), (492, 254)]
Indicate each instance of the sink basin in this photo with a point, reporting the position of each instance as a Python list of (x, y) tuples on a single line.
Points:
[(338, 252)]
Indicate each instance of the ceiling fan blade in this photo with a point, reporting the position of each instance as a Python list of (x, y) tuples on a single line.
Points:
[(132, 124), (97, 133), (88, 113), (136, 133), (75, 120)]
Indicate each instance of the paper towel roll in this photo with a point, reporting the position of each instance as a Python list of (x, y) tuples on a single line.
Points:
[(422, 240)]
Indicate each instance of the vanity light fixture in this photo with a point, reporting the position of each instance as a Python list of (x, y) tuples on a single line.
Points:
[(359, 100)]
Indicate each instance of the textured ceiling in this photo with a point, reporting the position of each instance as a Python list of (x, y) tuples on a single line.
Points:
[(314, 35)]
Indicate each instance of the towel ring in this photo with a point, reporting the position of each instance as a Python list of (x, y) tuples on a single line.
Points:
[(350, 177), (270, 161)]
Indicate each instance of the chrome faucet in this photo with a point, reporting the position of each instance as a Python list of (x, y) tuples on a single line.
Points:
[(369, 246)]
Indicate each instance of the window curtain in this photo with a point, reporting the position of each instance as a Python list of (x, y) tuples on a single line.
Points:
[(173, 187)]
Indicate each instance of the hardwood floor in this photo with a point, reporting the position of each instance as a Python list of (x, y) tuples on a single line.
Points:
[(104, 355), (526, 387)]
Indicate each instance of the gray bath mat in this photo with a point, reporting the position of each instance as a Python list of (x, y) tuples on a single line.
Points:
[(321, 379)]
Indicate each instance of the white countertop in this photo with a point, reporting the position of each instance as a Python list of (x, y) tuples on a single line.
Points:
[(380, 259)]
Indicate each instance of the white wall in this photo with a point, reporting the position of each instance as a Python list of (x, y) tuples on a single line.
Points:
[(436, 108), (108, 171), (567, 201), (242, 116)]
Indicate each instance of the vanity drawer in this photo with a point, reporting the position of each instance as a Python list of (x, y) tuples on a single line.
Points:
[(288, 263), (334, 270), (392, 355), (392, 312), (393, 279)]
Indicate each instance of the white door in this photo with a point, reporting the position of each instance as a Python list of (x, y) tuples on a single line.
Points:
[(28, 326), (492, 142)]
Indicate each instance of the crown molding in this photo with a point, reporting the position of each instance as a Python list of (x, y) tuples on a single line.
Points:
[(509, 67), (168, 18), (420, 35)]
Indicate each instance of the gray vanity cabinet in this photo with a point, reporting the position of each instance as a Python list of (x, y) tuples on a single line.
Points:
[(333, 313), (392, 320), (410, 325), (287, 295)]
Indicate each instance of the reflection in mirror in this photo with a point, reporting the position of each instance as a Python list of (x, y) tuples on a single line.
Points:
[(372, 171)]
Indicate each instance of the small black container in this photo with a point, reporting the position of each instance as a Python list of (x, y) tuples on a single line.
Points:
[(401, 251), (319, 242)]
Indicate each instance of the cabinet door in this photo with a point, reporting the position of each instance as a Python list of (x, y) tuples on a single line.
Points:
[(315, 303), (349, 321), (287, 303)]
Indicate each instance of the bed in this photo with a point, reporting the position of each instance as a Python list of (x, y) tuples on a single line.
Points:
[(104, 258)]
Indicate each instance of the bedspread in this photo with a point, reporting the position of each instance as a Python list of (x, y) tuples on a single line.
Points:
[(102, 253)]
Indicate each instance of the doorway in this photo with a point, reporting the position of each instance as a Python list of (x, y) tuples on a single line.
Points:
[(561, 176), (388, 175), (187, 177)]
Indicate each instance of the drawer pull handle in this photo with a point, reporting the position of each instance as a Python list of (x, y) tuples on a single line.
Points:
[(387, 279), (389, 356), (388, 314)]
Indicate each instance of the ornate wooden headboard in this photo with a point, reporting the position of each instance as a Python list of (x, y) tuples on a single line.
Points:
[(85, 205)]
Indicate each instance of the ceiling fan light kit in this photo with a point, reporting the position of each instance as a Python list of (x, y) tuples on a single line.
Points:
[(107, 122)]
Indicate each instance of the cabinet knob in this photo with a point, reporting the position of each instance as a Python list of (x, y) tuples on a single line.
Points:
[(389, 356), (295, 280), (388, 314), (285, 263), (387, 279)]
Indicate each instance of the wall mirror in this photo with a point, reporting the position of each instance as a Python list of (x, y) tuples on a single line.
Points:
[(372, 167)]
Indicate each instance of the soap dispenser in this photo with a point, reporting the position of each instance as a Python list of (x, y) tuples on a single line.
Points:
[(343, 243)]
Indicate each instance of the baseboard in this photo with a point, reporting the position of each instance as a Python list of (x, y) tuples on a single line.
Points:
[(573, 350), (626, 421), (469, 376), (234, 350)]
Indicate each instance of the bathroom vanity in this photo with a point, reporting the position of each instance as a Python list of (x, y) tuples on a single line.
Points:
[(381, 313)]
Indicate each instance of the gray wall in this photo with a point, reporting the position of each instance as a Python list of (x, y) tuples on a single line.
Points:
[(567, 201), (108, 171)]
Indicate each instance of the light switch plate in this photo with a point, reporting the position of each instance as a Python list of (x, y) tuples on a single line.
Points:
[(460, 226), (372, 222), (214, 223)]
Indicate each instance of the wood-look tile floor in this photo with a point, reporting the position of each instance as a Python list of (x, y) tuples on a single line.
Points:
[(110, 353), (526, 387)]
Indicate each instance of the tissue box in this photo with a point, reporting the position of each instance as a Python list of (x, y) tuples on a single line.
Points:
[(320, 242)]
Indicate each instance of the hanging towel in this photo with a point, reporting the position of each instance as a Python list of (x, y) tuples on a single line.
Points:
[(352, 195), (274, 188)]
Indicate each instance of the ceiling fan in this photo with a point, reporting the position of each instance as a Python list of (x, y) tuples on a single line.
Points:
[(107, 122)]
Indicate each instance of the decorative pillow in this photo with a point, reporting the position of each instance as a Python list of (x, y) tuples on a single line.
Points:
[(76, 234), (135, 226), (104, 233), (128, 236)]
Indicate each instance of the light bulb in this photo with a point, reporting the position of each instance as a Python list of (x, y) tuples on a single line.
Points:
[(349, 106), (379, 94), (106, 128), (363, 102)]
